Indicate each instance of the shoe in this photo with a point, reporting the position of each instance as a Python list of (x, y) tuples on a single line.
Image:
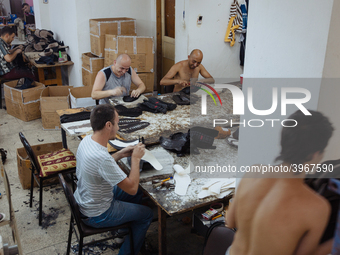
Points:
[(232, 141), (119, 235), (222, 132)]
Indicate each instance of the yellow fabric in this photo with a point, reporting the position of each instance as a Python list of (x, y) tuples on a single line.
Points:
[(231, 20), (56, 161), (232, 29)]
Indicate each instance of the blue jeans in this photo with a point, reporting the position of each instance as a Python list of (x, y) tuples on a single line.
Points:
[(125, 208)]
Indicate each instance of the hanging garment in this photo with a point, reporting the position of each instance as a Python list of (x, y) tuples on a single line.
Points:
[(243, 8), (235, 23)]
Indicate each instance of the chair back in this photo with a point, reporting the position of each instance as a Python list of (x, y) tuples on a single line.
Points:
[(30, 153), (71, 201), (218, 239)]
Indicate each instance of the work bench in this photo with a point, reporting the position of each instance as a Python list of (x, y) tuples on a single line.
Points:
[(178, 120)]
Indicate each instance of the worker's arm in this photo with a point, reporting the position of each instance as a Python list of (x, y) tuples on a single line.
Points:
[(138, 82), (10, 57), (99, 93), (206, 75), (325, 247), (309, 243), (16, 48), (130, 183), (230, 220), (168, 79)]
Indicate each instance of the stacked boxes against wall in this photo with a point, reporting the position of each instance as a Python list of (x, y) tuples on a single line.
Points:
[(94, 62), (113, 26), (140, 49)]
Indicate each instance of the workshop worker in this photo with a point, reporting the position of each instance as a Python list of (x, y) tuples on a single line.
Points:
[(8, 70), (105, 194), (181, 72), (116, 81), (27, 9), (283, 215)]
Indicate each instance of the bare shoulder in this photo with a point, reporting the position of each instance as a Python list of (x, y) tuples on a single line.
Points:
[(201, 67), (320, 203), (180, 64)]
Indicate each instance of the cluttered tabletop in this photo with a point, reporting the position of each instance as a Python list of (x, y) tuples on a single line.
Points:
[(168, 163)]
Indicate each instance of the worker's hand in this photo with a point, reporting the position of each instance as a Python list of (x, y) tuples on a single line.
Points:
[(18, 51), (135, 93), (126, 152), (138, 151), (118, 91), (183, 83)]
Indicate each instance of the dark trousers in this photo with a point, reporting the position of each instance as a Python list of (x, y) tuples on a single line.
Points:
[(17, 73)]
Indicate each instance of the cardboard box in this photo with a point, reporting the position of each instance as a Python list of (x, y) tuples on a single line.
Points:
[(81, 97), (148, 79), (112, 26), (53, 98), (88, 77), (139, 48), (110, 50), (23, 104), (92, 62), (90, 67), (24, 164)]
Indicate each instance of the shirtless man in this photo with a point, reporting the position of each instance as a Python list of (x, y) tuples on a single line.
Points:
[(181, 72), (283, 215), (115, 80)]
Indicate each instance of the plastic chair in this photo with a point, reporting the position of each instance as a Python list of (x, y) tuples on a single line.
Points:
[(83, 229), (36, 170)]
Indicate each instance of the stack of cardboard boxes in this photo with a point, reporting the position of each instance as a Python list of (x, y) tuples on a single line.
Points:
[(112, 37)]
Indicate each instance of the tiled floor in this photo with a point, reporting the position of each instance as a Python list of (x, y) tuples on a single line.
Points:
[(53, 239)]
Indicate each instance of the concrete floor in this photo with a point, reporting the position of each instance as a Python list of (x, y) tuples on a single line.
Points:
[(53, 239)]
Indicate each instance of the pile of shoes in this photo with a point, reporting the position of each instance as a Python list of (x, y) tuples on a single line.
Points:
[(184, 143), (178, 143), (25, 83), (155, 105), (184, 97), (42, 41), (129, 112), (202, 137)]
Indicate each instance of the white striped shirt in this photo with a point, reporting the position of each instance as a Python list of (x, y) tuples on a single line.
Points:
[(97, 174)]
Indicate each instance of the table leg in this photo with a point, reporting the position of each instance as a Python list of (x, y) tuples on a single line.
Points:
[(63, 138), (58, 75), (41, 75), (161, 231)]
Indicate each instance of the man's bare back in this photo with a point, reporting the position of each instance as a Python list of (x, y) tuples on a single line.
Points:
[(276, 216)]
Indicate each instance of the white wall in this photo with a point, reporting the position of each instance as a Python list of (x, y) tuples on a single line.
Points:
[(144, 11), (69, 20), (7, 7), (282, 42), (221, 60), (330, 90), (41, 14)]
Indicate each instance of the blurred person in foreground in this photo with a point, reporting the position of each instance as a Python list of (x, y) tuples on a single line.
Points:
[(283, 215)]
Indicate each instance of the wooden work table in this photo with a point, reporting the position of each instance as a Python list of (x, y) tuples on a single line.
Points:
[(57, 77), (41, 72), (179, 120)]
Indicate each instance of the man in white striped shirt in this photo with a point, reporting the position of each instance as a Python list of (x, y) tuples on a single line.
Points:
[(105, 194)]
